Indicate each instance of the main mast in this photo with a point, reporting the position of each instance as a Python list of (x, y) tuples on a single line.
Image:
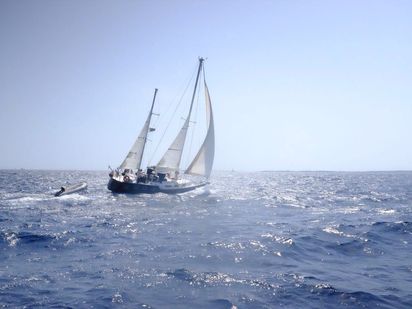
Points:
[(194, 90), (171, 159)]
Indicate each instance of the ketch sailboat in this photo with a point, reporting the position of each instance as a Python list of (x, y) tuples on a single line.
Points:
[(165, 175)]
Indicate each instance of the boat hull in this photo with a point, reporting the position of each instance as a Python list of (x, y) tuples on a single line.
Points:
[(71, 189), (149, 188)]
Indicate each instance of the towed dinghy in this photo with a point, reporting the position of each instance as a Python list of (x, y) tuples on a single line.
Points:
[(71, 189)]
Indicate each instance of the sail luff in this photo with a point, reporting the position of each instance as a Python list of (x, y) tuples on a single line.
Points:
[(172, 157), (203, 162), (134, 158)]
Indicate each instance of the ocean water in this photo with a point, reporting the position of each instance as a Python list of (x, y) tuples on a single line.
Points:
[(249, 240)]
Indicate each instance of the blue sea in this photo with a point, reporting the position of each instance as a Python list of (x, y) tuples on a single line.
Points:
[(248, 240)]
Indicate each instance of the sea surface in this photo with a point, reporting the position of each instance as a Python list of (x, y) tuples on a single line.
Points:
[(248, 240)]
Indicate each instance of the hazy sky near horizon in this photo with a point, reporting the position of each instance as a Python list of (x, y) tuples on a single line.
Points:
[(295, 85)]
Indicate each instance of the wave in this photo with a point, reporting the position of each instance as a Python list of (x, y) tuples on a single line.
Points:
[(392, 227), (203, 278), (13, 238), (294, 240), (222, 303), (25, 238), (28, 198), (358, 299), (290, 290)]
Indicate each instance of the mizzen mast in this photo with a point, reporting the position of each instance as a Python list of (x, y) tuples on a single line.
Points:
[(134, 158)]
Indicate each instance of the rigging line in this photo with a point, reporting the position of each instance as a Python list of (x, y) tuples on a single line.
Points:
[(175, 98), (194, 124), (171, 118)]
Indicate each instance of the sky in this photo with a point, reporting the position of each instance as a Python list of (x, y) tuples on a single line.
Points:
[(295, 85)]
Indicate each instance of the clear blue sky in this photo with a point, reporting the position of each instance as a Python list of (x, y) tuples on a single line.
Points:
[(296, 85)]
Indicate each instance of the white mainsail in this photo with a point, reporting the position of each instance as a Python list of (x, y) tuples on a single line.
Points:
[(171, 159), (133, 159), (203, 162)]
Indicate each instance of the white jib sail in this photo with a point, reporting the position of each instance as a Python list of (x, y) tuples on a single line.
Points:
[(203, 162), (134, 158)]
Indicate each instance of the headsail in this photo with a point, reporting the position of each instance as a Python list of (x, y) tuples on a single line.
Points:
[(134, 158), (203, 162), (171, 159)]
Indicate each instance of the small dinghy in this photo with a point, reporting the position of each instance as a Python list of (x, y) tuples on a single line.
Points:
[(71, 189)]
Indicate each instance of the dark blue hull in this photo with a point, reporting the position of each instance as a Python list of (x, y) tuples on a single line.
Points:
[(138, 188), (129, 187)]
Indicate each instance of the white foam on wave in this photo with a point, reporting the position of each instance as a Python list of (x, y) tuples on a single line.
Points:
[(349, 210), (25, 201), (384, 211), (75, 197), (28, 199), (335, 231), (117, 298), (38, 198), (11, 239), (332, 230), (279, 239)]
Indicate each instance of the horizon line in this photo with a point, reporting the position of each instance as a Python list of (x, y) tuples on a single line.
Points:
[(227, 170)]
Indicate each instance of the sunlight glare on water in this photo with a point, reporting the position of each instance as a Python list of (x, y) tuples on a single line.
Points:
[(248, 240)]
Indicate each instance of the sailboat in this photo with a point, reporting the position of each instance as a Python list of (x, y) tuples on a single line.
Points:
[(165, 176)]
